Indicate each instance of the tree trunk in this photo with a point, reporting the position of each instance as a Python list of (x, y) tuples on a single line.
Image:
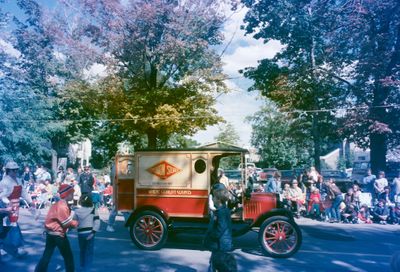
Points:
[(378, 152), (151, 138), (317, 142)]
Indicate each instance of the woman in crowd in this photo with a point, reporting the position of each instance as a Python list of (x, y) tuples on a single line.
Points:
[(336, 195)]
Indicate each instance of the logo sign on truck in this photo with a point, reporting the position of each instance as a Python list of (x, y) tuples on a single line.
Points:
[(163, 169)]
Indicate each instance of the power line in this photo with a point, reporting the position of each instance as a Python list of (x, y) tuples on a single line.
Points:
[(136, 119)]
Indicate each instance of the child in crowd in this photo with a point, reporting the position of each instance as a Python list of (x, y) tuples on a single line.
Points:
[(58, 221), (364, 215), (96, 198), (314, 203), (356, 196), (349, 213), (395, 214), (380, 213), (286, 195), (77, 192), (89, 223)]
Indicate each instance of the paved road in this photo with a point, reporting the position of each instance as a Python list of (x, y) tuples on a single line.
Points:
[(326, 247)]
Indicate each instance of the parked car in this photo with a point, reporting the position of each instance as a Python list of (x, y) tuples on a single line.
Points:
[(234, 176), (289, 175)]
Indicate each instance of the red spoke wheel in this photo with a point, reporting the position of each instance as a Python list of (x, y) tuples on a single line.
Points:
[(149, 230), (279, 237)]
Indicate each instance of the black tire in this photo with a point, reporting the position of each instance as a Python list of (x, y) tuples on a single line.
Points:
[(149, 231), (279, 237)]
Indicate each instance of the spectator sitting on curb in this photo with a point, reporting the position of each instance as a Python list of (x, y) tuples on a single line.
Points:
[(380, 213), (364, 215), (350, 213), (395, 214), (314, 203)]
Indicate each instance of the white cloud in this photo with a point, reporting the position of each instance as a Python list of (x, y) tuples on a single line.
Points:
[(95, 71), (9, 49), (248, 56)]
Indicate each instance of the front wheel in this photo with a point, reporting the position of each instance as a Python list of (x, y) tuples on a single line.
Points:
[(279, 237), (149, 231)]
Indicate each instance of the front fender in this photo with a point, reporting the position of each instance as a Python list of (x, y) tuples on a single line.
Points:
[(145, 208), (273, 212)]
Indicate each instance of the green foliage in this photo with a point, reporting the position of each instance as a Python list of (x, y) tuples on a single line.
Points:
[(274, 135), (228, 135), (27, 94)]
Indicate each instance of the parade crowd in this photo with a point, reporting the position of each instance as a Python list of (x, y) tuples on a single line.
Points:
[(73, 199), (371, 200)]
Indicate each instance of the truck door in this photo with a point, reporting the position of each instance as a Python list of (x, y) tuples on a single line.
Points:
[(201, 182), (124, 191)]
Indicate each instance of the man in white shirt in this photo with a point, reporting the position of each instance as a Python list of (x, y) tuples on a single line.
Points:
[(222, 178)]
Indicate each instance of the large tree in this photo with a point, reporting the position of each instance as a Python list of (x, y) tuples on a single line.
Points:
[(354, 43), (300, 79), (27, 67), (366, 37), (162, 71)]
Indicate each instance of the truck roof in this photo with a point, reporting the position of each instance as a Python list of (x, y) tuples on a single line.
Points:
[(218, 146)]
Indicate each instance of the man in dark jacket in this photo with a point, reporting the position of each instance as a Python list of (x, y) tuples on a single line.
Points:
[(86, 181), (380, 213), (221, 258)]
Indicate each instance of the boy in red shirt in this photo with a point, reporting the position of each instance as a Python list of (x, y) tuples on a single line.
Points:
[(58, 221)]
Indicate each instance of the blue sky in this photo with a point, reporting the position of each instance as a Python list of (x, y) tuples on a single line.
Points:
[(244, 51)]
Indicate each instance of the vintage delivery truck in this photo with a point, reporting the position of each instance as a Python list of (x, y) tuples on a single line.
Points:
[(166, 190)]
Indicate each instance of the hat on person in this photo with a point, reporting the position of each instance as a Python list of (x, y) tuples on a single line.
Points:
[(12, 165), (218, 186), (65, 190)]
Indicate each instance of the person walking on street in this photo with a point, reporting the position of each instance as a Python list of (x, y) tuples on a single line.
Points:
[(86, 181), (89, 223), (220, 234), (58, 220), (11, 190)]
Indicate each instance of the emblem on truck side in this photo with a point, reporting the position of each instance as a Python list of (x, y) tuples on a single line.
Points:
[(163, 170)]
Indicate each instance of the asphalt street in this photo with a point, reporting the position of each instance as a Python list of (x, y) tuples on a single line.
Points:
[(326, 247)]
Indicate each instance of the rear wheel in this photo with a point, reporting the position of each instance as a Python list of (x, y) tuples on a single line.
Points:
[(149, 231), (279, 237)]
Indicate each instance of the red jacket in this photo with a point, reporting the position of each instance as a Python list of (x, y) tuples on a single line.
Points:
[(315, 198), (59, 219), (108, 191)]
